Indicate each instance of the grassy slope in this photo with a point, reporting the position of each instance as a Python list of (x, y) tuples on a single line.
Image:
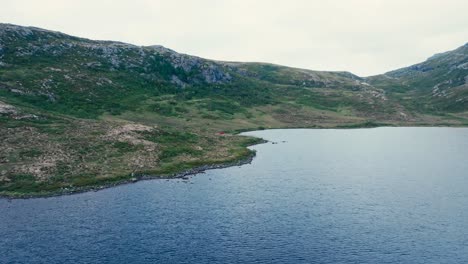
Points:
[(436, 86), (58, 153), (106, 112)]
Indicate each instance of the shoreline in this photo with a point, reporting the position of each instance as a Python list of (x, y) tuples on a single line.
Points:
[(183, 175)]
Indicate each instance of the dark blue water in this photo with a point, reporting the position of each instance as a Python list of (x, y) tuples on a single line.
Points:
[(385, 195)]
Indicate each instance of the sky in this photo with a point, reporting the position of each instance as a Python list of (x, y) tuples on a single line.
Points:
[(365, 37)]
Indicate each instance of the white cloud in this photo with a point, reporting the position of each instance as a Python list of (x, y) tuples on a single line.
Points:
[(362, 36)]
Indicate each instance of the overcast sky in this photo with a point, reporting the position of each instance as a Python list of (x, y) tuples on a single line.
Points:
[(365, 37)]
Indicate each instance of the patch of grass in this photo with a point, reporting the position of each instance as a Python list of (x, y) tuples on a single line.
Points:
[(174, 151), (124, 147), (367, 124), (223, 106), (170, 136), (30, 153)]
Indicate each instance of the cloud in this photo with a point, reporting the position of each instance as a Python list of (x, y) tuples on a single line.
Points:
[(362, 36)]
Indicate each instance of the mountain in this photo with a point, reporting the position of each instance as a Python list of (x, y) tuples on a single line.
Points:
[(86, 78), (77, 113)]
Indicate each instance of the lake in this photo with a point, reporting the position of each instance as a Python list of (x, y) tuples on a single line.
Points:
[(382, 195)]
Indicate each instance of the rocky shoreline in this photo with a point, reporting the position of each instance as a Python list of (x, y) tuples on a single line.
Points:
[(184, 175)]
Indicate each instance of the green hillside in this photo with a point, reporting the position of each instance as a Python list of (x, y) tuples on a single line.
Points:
[(438, 85), (77, 113)]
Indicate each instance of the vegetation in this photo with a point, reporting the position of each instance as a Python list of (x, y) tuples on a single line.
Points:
[(77, 113)]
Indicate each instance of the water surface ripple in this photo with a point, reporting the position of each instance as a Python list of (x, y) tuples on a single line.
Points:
[(384, 195)]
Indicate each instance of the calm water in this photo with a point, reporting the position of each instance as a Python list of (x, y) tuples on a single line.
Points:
[(385, 195)]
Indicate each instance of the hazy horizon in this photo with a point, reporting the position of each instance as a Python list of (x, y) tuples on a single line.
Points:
[(360, 36)]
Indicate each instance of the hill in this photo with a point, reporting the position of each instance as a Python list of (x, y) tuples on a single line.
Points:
[(77, 113), (438, 85)]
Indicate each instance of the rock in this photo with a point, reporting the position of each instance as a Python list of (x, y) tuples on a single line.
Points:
[(7, 109), (175, 80)]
